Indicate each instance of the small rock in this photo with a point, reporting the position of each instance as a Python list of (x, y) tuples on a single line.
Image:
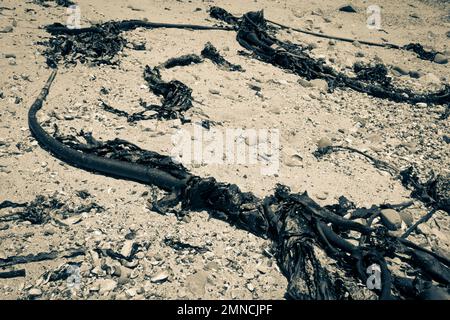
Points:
[(160, 277), (127, 248), (304, 83), (391, 219), (292, 158), (440, 58), (196, 283), (415, 74), (7, 29), (105, 285), (254, 87), (406, 217), (320, 84), (322, 196), (324, 142), (139, 45), (213, 91), (347, 8), (421, 104), (357, 44), (400, 70), (34, 293)]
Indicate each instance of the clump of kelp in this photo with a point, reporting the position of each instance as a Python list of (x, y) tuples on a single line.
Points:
[(44, 209), (254, 34)]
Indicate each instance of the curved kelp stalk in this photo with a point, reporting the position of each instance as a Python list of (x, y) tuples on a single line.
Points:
[(313, 247), (112, 167)]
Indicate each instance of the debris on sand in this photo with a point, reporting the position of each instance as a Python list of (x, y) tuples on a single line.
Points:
[(96, 47), (42, 256), (43, 209), (63, 3), (255, 35), (323, 254), (211, 53)]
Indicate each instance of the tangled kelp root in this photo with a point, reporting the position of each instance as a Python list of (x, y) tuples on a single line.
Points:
[(253, 33)]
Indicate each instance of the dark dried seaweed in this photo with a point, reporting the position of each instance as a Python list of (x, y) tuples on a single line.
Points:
[(253, 34), (211, 53), (42, 256)]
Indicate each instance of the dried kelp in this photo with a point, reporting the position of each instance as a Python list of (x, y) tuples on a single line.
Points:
[(176, 96), (43, 209), (316, 246), (420, 51), (180, 246), (98, 44), (253, 34), (42, 256), (381, 165), (435, 192), (211, 53), (99, 47), (181, 61), (122, 150)]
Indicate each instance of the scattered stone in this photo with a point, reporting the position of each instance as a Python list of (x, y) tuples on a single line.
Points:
[(320, 84), (357, 44), (7, 29), (254, 87), (304, 83), (127, 248), (391, 219), (292, 158), (400, 70), (324, 142), (105, 285), (196, 283), (160, 277), (139, 45), (406, 217), (213, 91), (415, 74), (34, 293), (440, 58), (347, 8), (322, 196)]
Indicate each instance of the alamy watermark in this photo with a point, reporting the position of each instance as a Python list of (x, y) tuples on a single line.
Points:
[(374, 18), (73, 17), (374, 279), (228, 147)]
